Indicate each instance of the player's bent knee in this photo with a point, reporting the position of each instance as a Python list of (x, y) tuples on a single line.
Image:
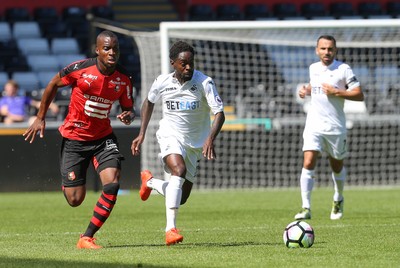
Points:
[(74, 202), (111, 188), (74, 197), (178, 170)]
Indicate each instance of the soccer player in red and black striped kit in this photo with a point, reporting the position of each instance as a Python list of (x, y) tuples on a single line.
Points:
[(86, 132)]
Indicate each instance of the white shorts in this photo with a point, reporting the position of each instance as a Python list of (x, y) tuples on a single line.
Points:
[(191, 156), (334, 145)]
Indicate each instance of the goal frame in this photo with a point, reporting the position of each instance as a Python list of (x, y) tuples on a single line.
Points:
[(165, 27), (170, 30)]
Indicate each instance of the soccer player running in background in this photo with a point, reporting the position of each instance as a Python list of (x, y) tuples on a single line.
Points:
[(331, 82), (185, 132), (86, 131)]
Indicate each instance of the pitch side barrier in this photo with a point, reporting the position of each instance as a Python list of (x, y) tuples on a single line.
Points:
[(35, 167)]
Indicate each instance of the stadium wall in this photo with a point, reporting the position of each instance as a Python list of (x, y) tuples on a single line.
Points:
[(35, 167), (270, 3), (50, 3)]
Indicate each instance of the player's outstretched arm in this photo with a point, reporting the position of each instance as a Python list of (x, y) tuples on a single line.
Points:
[(39, 124)]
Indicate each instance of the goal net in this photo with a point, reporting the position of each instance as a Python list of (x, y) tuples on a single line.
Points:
[(258, 67)]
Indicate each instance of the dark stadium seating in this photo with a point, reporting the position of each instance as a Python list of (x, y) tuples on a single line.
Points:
[(16, 63), (201, 12), (256, 11), (393, 8), (55, 29), (45, 15), (292, 9), (285, 10), (104, 12), (228, 12), (14, 14), (340, 9), (309, 10), (367, 9)]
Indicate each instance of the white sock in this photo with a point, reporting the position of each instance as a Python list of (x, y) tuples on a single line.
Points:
[(171, 214), (173, 196), (306, 186), (158, 185), (338, 183)]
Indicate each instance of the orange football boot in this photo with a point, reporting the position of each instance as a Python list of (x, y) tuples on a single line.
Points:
[(145, 191), (87, 242), (173, 237)]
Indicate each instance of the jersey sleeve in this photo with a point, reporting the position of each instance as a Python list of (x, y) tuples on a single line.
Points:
[(154, 93), (351, 79), (213, 98), (126, 99), (70, 73)]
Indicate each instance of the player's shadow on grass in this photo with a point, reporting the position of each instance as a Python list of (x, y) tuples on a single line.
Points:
[(40, 263), (208, 244)]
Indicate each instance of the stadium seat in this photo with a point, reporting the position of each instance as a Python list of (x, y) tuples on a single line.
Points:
[(3, 80), (28, 81), (393, 8), (74, 16), (126, 44), (39, 63), (74, 13), (105, 12), (26, 29), (256, 11), (13, 14), (284, 10), (340, 9), (45, 15), (5, 31), (16, 63), (66, 59), (67, 45), (201, 12), (35, 46), (228, 12), (45, 77), (366, 9), (55, 30), (309, 10)]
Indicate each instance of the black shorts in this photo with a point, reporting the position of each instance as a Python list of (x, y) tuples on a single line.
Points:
[(76, 156)]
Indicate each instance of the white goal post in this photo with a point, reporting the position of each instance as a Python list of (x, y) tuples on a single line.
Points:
[(275, 55), (257, 67)]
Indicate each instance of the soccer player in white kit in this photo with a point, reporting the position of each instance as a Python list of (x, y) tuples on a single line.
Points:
[(331, 82), (185, 132)]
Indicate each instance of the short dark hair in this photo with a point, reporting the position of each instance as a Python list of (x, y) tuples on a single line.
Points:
[(106, 33), (179, 47), (327, 37)]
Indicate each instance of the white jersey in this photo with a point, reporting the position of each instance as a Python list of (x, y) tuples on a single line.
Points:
[(186, 108), (326, 115)]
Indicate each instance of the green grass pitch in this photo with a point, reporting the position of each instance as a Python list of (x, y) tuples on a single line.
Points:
[(232, 228)]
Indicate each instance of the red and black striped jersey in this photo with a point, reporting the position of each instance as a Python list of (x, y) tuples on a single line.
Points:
[(93, 94)]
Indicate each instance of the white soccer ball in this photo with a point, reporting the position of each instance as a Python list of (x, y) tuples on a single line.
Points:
[(298, 234)]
